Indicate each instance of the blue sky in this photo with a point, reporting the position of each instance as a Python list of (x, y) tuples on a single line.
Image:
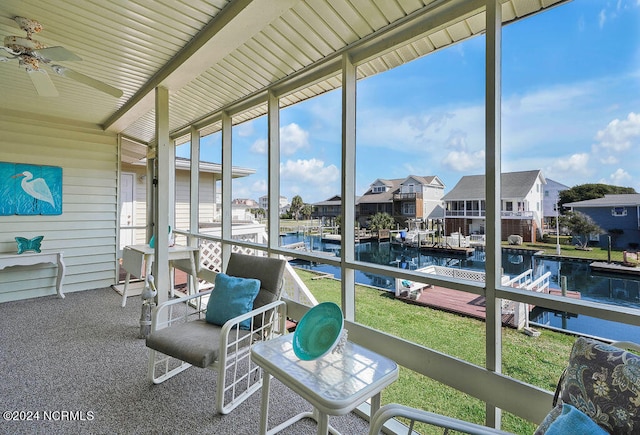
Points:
[(570, 107)]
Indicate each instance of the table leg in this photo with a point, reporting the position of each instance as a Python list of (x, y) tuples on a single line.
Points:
[(264, 404), (194, 273), (124, 290), (375, 405), (172, 279), (61, 270), (323, 423)]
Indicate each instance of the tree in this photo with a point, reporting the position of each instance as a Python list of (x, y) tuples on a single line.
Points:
[(258, 212), (296, 206), (381, 221), (581, 227), (583, 192), (306, 211)]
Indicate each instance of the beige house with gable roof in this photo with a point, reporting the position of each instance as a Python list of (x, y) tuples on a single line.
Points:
[(406, 199)]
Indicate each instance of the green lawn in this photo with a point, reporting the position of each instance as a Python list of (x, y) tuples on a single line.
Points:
[(570, 251), (538, 361)]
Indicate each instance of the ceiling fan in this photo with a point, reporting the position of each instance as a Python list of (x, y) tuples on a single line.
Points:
[(32, 55)]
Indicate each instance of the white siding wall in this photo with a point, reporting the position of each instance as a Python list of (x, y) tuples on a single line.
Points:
[(86, 230), (182, 199), (206, 199), (534, 201)]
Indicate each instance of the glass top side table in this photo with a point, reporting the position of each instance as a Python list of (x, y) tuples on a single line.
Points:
[(334, 384)]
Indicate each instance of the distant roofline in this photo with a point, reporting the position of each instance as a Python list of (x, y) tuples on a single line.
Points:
[(184, 164)]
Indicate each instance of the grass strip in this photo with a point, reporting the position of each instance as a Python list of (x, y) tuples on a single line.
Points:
[(538, 361)]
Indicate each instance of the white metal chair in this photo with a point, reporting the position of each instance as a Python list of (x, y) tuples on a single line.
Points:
[(181, 337)]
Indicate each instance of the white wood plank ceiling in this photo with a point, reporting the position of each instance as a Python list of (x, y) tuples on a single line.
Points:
[(217, 55)]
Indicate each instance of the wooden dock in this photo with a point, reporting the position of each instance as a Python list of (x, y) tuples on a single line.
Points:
[(601, 266), (463, 303), (449, 250)]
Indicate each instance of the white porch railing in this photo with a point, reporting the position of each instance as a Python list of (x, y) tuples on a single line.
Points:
[(211, 263), (540, 285), (521, 280)]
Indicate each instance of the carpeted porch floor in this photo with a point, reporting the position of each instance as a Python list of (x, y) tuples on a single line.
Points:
[(81, 357)]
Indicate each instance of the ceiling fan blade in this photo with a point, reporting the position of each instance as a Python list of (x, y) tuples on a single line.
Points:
[(6, 58), (96, 84), (7, 21), (10, 51), (43, 84), (57, 54)]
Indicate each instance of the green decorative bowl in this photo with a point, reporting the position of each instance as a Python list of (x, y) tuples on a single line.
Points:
[(318, 331)]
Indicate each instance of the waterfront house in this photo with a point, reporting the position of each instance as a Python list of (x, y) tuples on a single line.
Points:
[(552, 191), (617, 214), (411, 199), (191, 69), (521, 205), (330, 208), (283, 203)]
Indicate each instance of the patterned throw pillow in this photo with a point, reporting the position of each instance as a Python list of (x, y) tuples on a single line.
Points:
[(603, 382)]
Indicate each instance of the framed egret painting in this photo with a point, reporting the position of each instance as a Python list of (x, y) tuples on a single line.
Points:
[(30, 189)]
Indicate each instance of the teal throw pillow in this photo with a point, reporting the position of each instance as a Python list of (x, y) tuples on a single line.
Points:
[(573, 421), (231, 297)]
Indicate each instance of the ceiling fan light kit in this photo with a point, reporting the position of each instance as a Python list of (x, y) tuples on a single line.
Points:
[(32, 54)]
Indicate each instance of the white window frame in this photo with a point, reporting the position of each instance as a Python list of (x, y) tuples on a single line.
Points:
[(615, 213)]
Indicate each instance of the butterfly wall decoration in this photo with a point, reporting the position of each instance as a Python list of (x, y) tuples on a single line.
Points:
[(25, 245)]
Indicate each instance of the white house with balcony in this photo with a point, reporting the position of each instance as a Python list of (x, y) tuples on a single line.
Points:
[(551, 196), (283, 202), (521, 205)]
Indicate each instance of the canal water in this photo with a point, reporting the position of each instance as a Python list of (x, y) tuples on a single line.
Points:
[(619, 290)]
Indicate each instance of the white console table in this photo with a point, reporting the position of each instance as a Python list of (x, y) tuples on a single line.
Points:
[(33, 258)]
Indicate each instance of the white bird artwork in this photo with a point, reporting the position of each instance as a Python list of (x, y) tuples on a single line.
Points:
[(37, 188)]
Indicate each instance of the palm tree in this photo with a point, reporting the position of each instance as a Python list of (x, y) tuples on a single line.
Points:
[(296, 206)]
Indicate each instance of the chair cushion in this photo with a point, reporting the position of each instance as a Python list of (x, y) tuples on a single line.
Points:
[(268, 270), (196, 342), (231, 297), (603, 382)]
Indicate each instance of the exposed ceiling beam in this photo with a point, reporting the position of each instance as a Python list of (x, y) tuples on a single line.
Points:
[(232, 27)]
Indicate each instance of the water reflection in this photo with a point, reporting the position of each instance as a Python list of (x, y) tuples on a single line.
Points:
[(570, 275)]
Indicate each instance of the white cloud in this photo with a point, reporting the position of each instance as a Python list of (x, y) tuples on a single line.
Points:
[(620, 177), (310, 179), (575, 163), (245, 129), (312, 170), (619, 135), (461, 161), (430, 132), (259, 187), (259, 146), (609, 160), (602, 18), (293, 138)]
